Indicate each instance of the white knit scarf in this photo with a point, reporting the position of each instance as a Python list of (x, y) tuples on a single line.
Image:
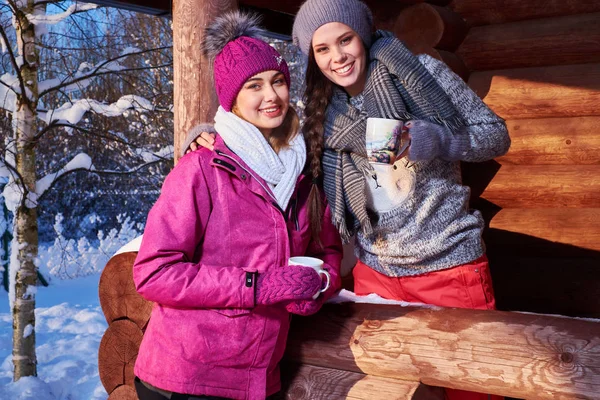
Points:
[(279, 170)]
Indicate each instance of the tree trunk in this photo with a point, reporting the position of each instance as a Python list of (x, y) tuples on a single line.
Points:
[(25, 235)]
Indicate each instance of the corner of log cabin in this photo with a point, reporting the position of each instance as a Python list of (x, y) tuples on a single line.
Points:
[(537, 64)]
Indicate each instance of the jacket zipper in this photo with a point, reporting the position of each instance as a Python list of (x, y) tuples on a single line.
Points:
[(274, 202), (251, 174), (294, 210)]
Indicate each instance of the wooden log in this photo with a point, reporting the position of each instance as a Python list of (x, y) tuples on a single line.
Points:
[(117, 354), (118, 297), (123, 392), (307, 382), (578, 227), (455, 63), (194, 96), (545, 186), (292, 6), (565, 40), (542, 284), (431, 26), (544, 92), (574, 141), (510, 354), (488, 12)]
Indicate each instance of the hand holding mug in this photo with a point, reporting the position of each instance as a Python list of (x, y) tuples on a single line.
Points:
[(387, 140), (317, 265)]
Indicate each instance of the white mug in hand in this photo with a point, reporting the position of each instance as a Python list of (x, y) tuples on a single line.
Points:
[(315, 264), (384, 139)]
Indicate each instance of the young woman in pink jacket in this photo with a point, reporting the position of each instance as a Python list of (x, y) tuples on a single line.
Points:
[(214, 256)]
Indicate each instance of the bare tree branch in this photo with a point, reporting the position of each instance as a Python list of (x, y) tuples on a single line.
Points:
[(97, 71), (101, 173), (13, 60)]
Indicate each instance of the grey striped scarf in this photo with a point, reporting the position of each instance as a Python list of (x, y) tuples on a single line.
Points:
[(398, 87)]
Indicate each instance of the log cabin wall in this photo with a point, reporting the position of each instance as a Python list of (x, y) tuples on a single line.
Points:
[(536, 63)]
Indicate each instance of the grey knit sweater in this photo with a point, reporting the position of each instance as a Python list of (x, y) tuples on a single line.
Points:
[(426, 224)]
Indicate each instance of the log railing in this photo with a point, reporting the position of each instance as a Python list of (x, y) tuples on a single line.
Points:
[(369, 351), (520, 355)]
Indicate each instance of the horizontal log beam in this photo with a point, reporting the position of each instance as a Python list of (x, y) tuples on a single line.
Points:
[(545, 186), (573, 141), (487, 12), (579, 227), (544, 92), (564, 40), (510, 354), (307, 382)]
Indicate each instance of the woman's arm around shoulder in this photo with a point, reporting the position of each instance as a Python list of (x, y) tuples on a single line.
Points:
[(487, 133), (165, 271)]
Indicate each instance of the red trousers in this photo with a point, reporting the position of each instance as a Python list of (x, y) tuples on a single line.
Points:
[(463, 286)]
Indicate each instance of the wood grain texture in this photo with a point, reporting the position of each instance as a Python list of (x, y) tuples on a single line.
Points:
[(307, 382), (510, 354), (545, 186), (194, 97), (564, 40), (123, 392), (431, 26), (117, 354), (578, 227), (118, 297), (487, 12), (553, 141), (544, 92)]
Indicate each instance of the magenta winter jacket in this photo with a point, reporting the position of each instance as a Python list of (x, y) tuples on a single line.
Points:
[(214, 222)]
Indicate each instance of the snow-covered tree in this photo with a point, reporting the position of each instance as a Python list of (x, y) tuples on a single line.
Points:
[(46, 93)]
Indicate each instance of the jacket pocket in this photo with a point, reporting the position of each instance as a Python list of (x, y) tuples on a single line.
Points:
[(232, 312)]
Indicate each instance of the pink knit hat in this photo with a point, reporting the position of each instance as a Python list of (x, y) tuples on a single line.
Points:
[(232, 40)]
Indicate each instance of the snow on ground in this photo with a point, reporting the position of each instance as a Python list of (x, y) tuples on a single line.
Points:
[(69, 327)]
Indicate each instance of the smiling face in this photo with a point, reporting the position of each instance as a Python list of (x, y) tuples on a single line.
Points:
[(340, 54), (263, 101)]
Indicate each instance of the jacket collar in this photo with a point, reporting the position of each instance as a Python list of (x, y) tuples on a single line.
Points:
[(222, 153)]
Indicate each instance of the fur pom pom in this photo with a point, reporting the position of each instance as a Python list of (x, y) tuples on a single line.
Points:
[(228, 27)]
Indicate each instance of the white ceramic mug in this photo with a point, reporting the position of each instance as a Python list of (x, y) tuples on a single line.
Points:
[(381, 132), (315, 264)]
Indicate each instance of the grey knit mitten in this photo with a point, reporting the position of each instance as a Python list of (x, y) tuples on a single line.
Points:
[(193, 134), (292, 282), (429, 140)]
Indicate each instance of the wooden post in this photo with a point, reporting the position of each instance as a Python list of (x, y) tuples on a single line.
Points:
[(194, 97)]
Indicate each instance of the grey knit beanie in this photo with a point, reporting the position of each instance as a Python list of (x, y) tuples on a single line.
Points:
[(315, 13)]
